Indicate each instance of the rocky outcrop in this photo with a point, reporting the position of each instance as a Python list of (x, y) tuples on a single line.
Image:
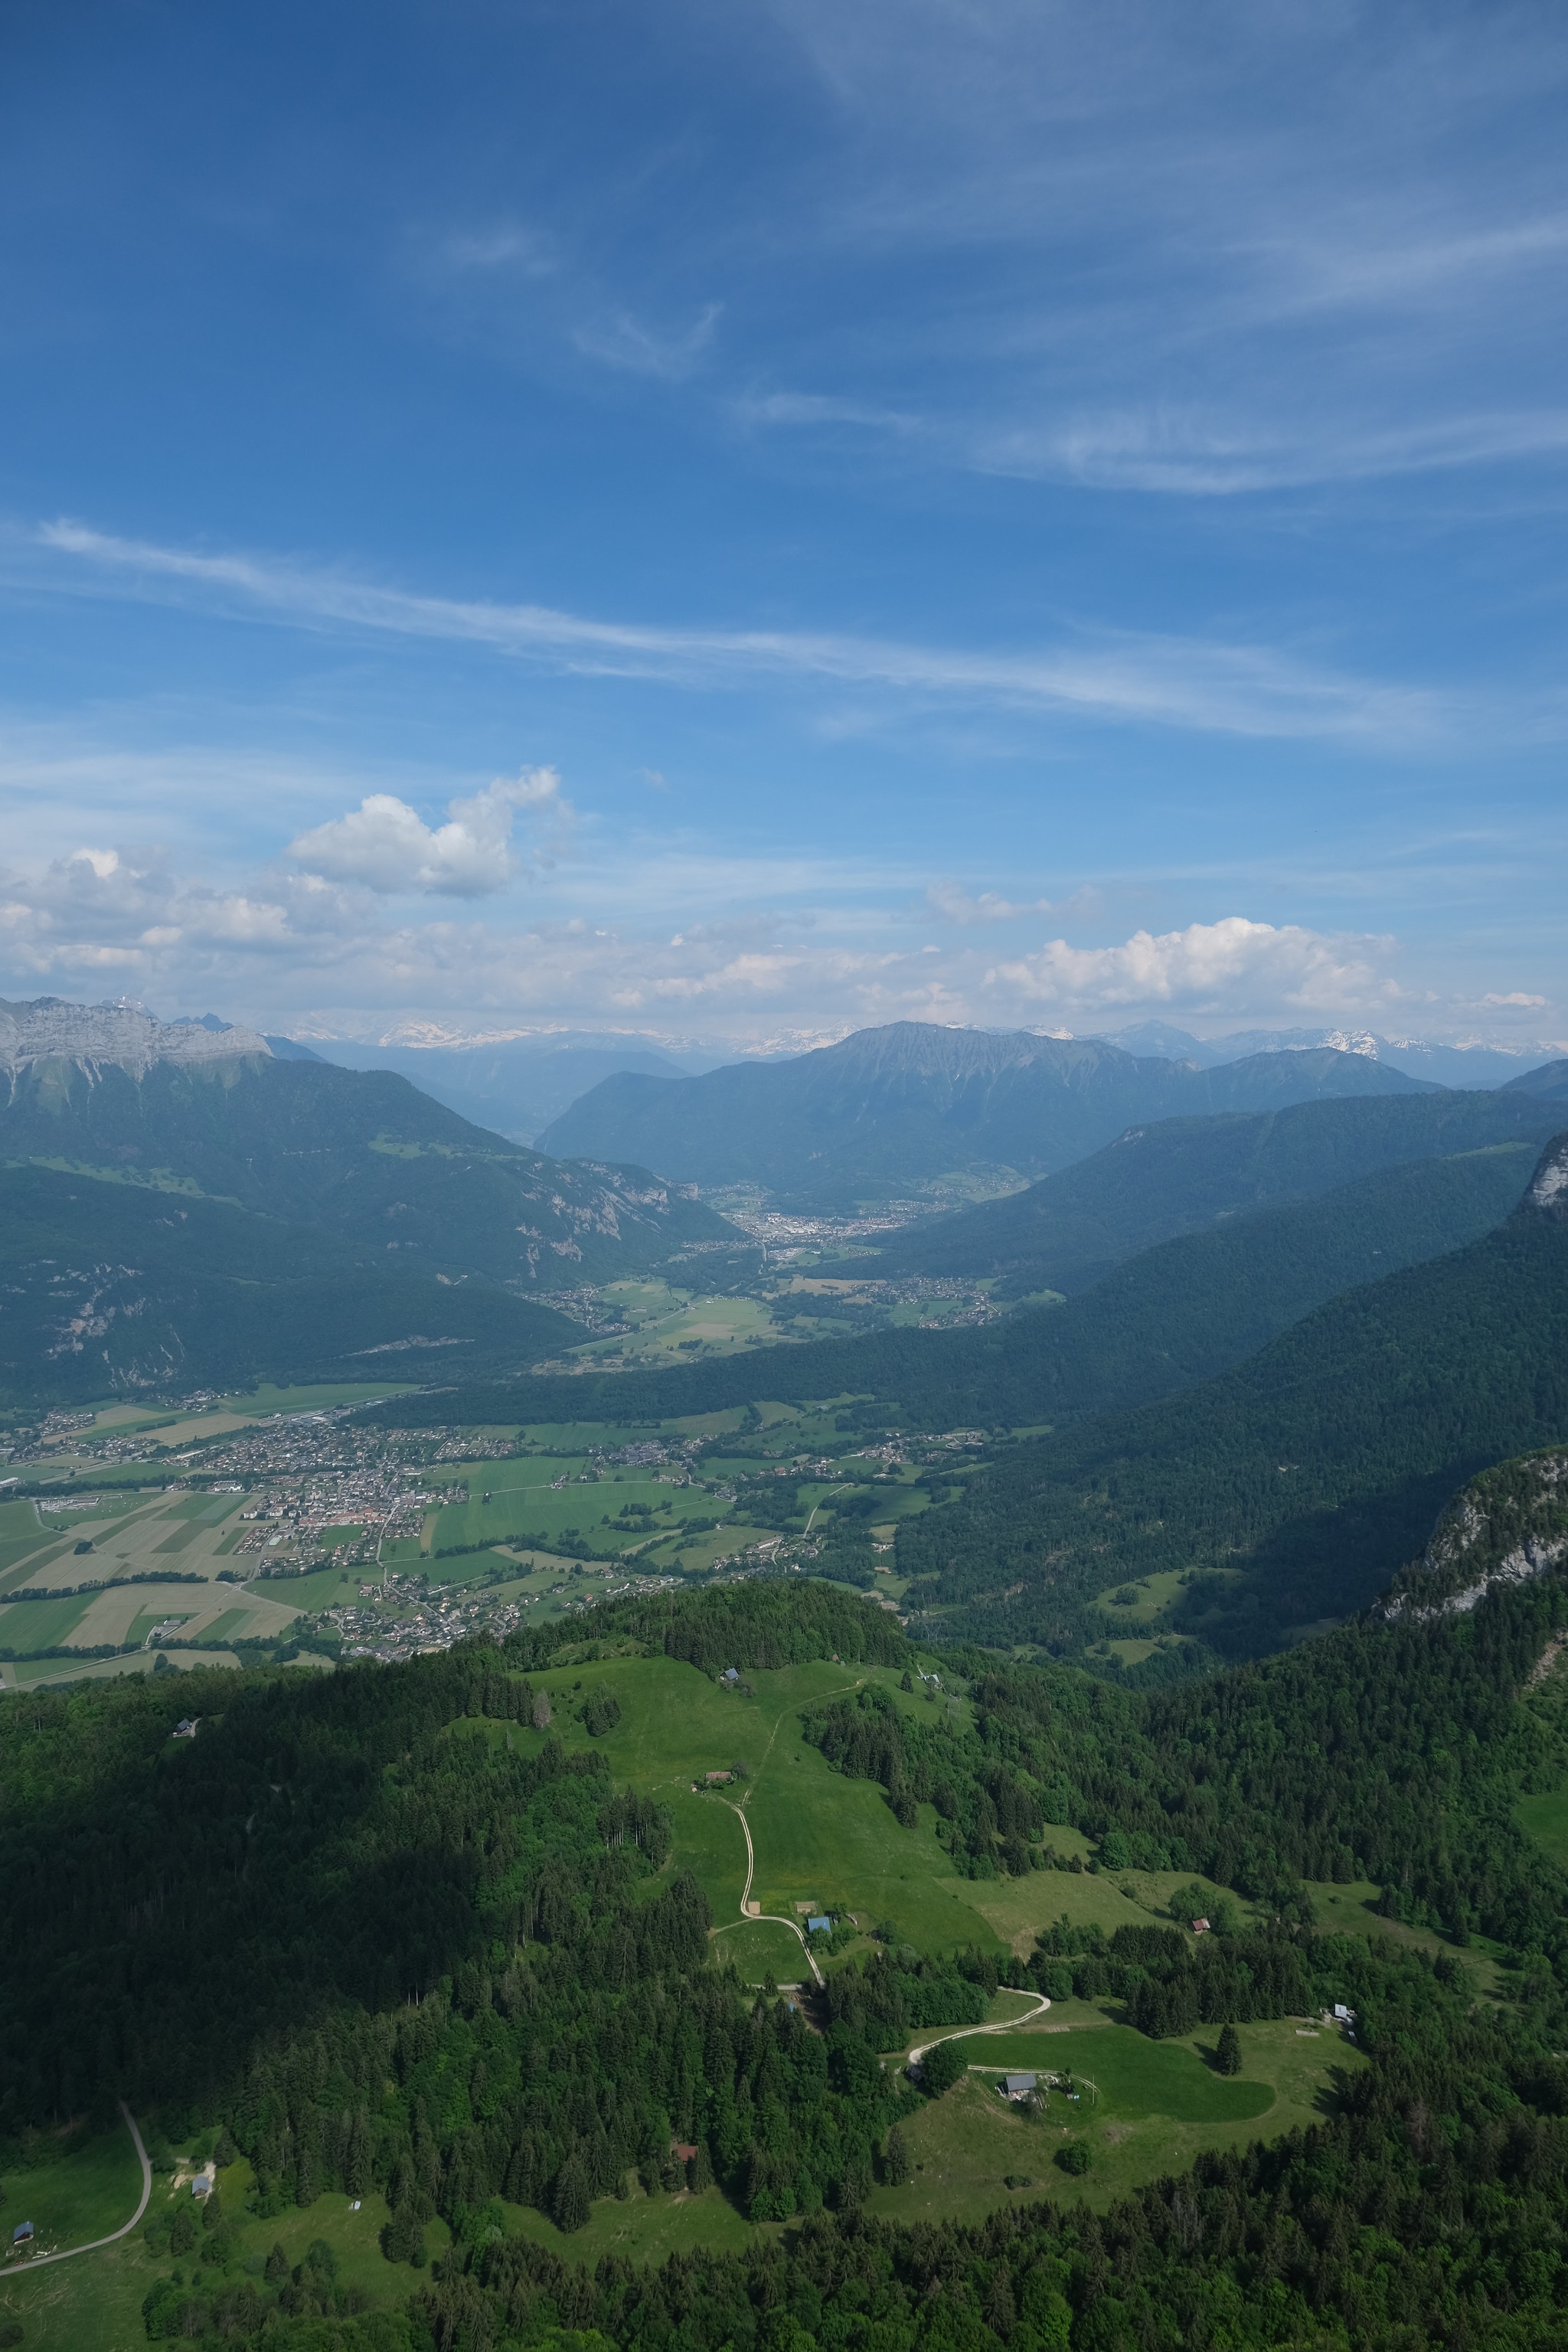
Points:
[(1507, 1526), (1548, 1186), (124, 1035)]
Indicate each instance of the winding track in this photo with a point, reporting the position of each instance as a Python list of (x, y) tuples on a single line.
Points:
[(68, 2253), (963, 2032), (792, 1925)]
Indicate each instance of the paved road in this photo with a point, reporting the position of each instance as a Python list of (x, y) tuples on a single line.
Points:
[(125, 2228)]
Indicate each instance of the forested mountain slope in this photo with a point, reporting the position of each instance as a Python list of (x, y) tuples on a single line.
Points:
[(359, 1152), (393, 1940), (1187, 1175), (1549, 1082), (1168, 1318), (1302, 1479), (886, 1108), (110, 1287)]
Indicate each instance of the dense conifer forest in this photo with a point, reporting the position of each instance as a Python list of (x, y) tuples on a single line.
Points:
[(389, 1948)]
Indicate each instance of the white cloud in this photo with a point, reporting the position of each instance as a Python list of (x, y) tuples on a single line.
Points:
[(508, 245), (1516, 997), (386, 847), (1232, 965), (1141, 679), (624, 342), (952, 899)]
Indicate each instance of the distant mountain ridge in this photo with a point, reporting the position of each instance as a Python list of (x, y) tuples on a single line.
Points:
[(1477, 1064), (514, 1085), (363, 1154), (892, 1107), (125, 1036), (1191, 1175)]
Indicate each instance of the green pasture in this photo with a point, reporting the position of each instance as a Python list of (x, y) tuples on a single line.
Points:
[(524, 1501), (671, 1325), (642, 2229), (1114, 2068), (42, 1625), (817, 1836), (260, 1404), (761, 1948), (73, 2194), (1158, 2106), (96, 2301), (1545, 1819), (1352, 1909)]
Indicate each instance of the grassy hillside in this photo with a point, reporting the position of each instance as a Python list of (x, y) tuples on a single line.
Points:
[(360, 1154), (113, 1287), (890, 1108), (427, 1975), (1290, 1489), (1188, 1175)]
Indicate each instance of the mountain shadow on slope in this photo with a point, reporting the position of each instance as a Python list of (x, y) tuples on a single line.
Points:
[(115, 1288), (1290, 1489)]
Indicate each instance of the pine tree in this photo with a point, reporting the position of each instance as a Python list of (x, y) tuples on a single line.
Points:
[(1227, 2057), (572, 2202), (899, 2168)]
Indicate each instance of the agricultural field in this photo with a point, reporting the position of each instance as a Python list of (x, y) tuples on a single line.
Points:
[(133, 1567)]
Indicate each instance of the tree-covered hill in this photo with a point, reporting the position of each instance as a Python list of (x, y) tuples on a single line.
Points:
[(1188, 1175), (1296, 1485), (111, 1287), (388, 1947), (886, 1108), (359, 1152)]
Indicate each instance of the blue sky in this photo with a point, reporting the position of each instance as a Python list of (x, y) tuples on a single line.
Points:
[(738, 523)]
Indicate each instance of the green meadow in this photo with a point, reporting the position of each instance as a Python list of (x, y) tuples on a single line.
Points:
[(1155, 2107)]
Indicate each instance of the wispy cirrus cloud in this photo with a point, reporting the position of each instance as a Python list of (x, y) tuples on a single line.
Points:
[(1143, 679)]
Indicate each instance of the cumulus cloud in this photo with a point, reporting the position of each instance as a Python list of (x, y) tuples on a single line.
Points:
[(1231, 965), (386, 847), (1517, 996)]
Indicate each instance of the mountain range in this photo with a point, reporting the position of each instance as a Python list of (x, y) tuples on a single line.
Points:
[(889, 1111), (183, 1207), (514, 1085), (1288, 1491), (1191, 1175)]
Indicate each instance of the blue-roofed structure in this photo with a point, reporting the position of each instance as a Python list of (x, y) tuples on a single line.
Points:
[(820, 1925)]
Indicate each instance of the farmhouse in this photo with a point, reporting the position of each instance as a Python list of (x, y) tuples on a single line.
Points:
[(21, 2235), (1018, 2087), (1200, 1926)]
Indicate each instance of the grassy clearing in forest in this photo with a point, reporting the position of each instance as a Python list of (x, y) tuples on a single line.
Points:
[(967, 2143)]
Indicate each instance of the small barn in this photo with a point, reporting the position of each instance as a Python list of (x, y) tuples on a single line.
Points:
[(1018, 2087), (819, 1925), (22, 2235)]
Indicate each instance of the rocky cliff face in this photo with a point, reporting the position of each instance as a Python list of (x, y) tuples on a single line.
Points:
[(1548, 1186), (49, 1029), (1507, 1526)]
